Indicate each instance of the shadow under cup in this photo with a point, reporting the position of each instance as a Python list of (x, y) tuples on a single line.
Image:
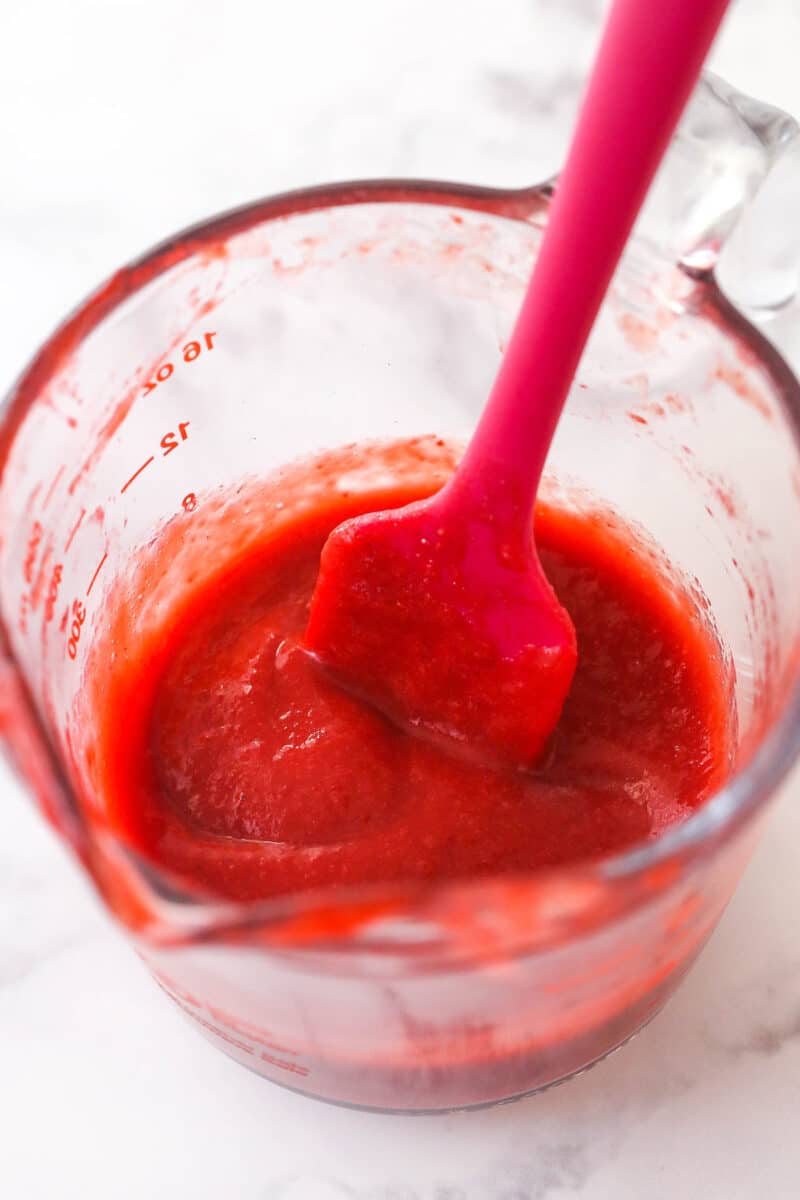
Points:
[(380, 313)]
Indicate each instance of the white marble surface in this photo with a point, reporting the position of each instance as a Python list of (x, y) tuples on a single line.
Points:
[(120, 121)]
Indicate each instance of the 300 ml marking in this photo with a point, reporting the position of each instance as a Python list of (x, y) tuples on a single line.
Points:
[(78, 618)]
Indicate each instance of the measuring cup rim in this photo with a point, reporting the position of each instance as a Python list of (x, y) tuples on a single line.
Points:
[(187, 916)]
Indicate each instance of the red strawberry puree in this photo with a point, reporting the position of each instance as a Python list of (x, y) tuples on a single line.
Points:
[(230, 758)]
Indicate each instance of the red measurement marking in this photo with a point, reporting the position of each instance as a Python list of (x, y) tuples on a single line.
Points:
[(191, 351), (136, 474), (34, 541), (78, 617), (52, 595), (34, 494), (24, 606), (169, 442), (41, 577), (97, 572), (52, 487), (74, 530)]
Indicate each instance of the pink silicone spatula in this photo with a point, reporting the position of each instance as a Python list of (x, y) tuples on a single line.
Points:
[(439, 613)]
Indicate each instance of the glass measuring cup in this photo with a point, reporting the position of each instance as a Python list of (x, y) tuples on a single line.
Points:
[(189, 374)]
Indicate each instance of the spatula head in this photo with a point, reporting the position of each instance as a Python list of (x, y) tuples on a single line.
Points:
[(446, 628)]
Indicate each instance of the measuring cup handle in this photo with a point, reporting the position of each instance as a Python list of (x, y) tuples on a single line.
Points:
[(727, 196)]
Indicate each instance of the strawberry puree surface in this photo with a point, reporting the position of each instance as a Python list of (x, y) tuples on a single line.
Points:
[(239, 765)]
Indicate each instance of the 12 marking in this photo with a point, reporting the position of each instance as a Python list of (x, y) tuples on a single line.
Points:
[(169, 442)]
